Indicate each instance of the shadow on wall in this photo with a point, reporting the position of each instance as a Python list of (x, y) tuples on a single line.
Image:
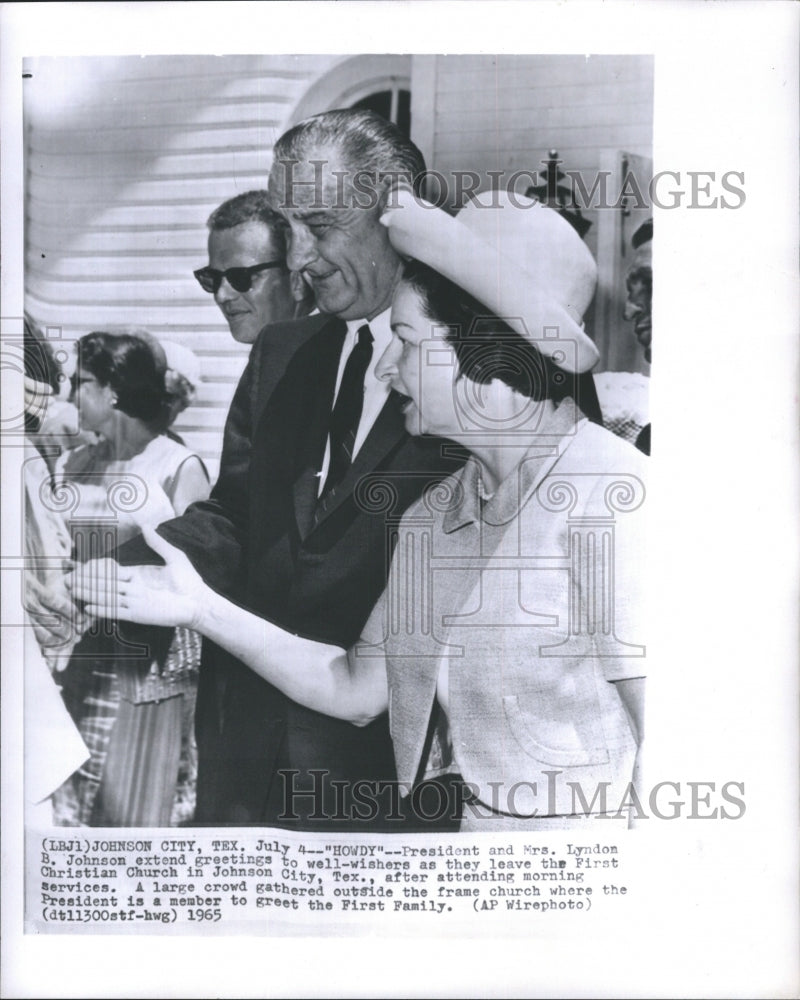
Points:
[(114, 138)]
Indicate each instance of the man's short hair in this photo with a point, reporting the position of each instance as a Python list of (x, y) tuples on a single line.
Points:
[(368, 142), (248, 207)]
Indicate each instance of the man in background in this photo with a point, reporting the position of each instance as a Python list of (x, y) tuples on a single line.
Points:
[(246, 272), (638, 304), (639, 286), (248, 276)]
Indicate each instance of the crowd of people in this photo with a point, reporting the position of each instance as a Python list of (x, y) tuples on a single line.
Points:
[(411, 597)]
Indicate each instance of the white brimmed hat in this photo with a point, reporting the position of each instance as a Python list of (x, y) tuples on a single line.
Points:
[(183, 361), (522, 261)]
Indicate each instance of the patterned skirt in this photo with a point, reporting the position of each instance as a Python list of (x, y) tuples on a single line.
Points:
[(140, 734)]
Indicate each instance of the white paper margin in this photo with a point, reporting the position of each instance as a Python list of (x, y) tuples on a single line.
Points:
[(721, 915)]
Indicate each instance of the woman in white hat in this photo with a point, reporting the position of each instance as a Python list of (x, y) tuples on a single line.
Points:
[(505, 645)]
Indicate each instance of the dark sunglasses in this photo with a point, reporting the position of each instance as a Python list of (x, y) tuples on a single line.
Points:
[(239, 278)]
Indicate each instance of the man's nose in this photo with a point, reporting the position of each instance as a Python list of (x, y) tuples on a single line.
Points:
[(386, 367), (300, 249), (225, 293)]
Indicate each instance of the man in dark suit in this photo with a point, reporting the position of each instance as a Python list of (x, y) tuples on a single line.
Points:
[(253, 288), (319, 470)]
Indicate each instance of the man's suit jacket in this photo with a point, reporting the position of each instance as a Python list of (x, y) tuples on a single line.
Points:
[(263, 539)]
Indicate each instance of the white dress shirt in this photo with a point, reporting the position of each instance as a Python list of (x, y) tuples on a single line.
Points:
[(376, 392)]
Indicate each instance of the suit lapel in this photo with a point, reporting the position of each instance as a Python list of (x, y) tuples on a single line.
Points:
[(314, 412), (386, 432), (305, 491)]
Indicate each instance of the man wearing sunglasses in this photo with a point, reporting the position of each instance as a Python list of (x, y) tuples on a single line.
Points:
[(251, 283), (247, 272), (314, 473)]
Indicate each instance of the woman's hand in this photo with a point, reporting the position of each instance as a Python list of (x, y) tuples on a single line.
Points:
[(172, 595)]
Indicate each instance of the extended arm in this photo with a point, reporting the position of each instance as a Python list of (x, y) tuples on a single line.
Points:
[(321, 676), (190, 486)]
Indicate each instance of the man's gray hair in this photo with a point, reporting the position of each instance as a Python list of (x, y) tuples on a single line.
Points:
[(369, 144), (248, 207)]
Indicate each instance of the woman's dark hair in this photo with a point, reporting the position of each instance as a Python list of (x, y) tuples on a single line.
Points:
[(128, 365), (485, 345), (40, 364), (39, 358)]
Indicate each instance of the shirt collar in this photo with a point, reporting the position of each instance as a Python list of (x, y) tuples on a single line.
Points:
[(551, 439), (379, 328)]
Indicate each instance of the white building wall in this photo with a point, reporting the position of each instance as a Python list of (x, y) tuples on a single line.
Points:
[(127, 157), (125, 160)]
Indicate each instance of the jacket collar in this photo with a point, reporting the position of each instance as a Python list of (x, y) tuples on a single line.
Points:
[(473, 505)]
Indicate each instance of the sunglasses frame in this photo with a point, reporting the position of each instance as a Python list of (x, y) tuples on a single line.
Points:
[(217, 277)]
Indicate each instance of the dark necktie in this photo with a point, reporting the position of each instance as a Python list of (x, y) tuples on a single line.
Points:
[(347, 409)]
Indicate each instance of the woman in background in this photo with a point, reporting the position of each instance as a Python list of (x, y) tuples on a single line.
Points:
[(133, 711)]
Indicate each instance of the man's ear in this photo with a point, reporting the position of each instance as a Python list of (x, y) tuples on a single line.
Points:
[(385, 196), (388, 191)]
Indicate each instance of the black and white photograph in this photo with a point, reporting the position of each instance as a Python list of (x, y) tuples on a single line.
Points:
[(337, 554), (287, 492)]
